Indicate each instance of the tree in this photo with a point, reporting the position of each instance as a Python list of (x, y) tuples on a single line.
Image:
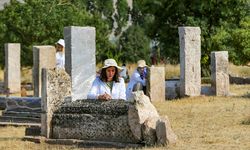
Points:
[(214, 17), (134, 45), (41, 22)]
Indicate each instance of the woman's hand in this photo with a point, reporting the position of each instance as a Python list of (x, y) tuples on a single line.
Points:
[(104, 97)]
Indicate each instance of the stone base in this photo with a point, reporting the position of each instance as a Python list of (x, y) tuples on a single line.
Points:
[(82, 143)]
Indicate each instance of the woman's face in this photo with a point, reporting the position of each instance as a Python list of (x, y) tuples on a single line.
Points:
[(110, 72), (59, 48)]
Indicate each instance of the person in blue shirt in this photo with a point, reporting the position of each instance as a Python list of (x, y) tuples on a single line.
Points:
[(138, 79)]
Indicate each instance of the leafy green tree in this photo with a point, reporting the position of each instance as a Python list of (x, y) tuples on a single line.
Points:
[(219, 20), (134, 45), (41, 22)]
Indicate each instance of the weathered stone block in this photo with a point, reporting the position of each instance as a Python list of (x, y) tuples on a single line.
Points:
[(43, 57), (156, 84), (56, 86), (172, 89), (219, 73), (12, 72), (140, 112), (80, 62), (190, 55), (164, 132), (93, 120)]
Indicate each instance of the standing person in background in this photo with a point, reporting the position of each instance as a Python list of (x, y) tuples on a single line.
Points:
[(109, 85), (138, 79), (124, 73), (60, 56)]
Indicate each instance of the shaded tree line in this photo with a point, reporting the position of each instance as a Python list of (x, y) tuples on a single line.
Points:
[(224, 24)]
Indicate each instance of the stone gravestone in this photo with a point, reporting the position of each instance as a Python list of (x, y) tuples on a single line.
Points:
[(12, 73), (43, 57), (56, 87), (190, 55), (156, 84), (219, 73), (80, 62)]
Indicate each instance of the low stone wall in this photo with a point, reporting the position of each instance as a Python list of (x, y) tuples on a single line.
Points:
[(238, 80), (119, 121), (93, 120), (20, 103)]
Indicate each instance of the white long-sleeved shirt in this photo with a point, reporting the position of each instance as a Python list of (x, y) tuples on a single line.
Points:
[(60, 59), (99, 88), (135, 78)]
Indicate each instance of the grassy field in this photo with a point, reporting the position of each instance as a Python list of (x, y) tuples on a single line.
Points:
[(201, 123)]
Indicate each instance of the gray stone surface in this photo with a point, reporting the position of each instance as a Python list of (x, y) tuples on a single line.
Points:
[(56, 86), (239, 80), (156, 84), (190, 55), (140, 112), (149, 132), (172, 89), (219, 73), (93, 120), (43, 57), (80, 62), (22, 104), (164, 132), (20, 111), (12, 72)]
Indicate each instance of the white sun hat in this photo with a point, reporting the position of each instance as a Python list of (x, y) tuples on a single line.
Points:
[(61, 42), (110, 63), (141, 63)]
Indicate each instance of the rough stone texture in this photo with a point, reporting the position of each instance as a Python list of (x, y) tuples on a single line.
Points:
[(219, 73), (239, 80), (190, 54), (43, 57), (56, 86), (149, 132), (22, 104), (156, 84), (12, 72), (164, 132), (20, 110), (140, 112), (93, 120), (172, 89), (80, 62)]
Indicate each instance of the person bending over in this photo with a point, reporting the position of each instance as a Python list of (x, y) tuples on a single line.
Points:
[(138, 79)]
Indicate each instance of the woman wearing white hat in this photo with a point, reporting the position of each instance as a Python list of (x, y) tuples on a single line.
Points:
[(108, 85), (60, 56), (138, 79)]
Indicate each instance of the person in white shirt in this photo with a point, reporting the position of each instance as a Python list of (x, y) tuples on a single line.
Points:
[(124, 73), (138, 79), (60, 56), (109, 85)]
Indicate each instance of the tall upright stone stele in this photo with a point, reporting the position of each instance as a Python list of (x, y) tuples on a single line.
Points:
[(219, 73), (190, 55), (12, 72), (80, 61), (156, 84), (43, 57)]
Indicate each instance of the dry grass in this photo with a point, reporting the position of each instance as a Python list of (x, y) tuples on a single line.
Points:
[(202, 123), (239, 71)]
